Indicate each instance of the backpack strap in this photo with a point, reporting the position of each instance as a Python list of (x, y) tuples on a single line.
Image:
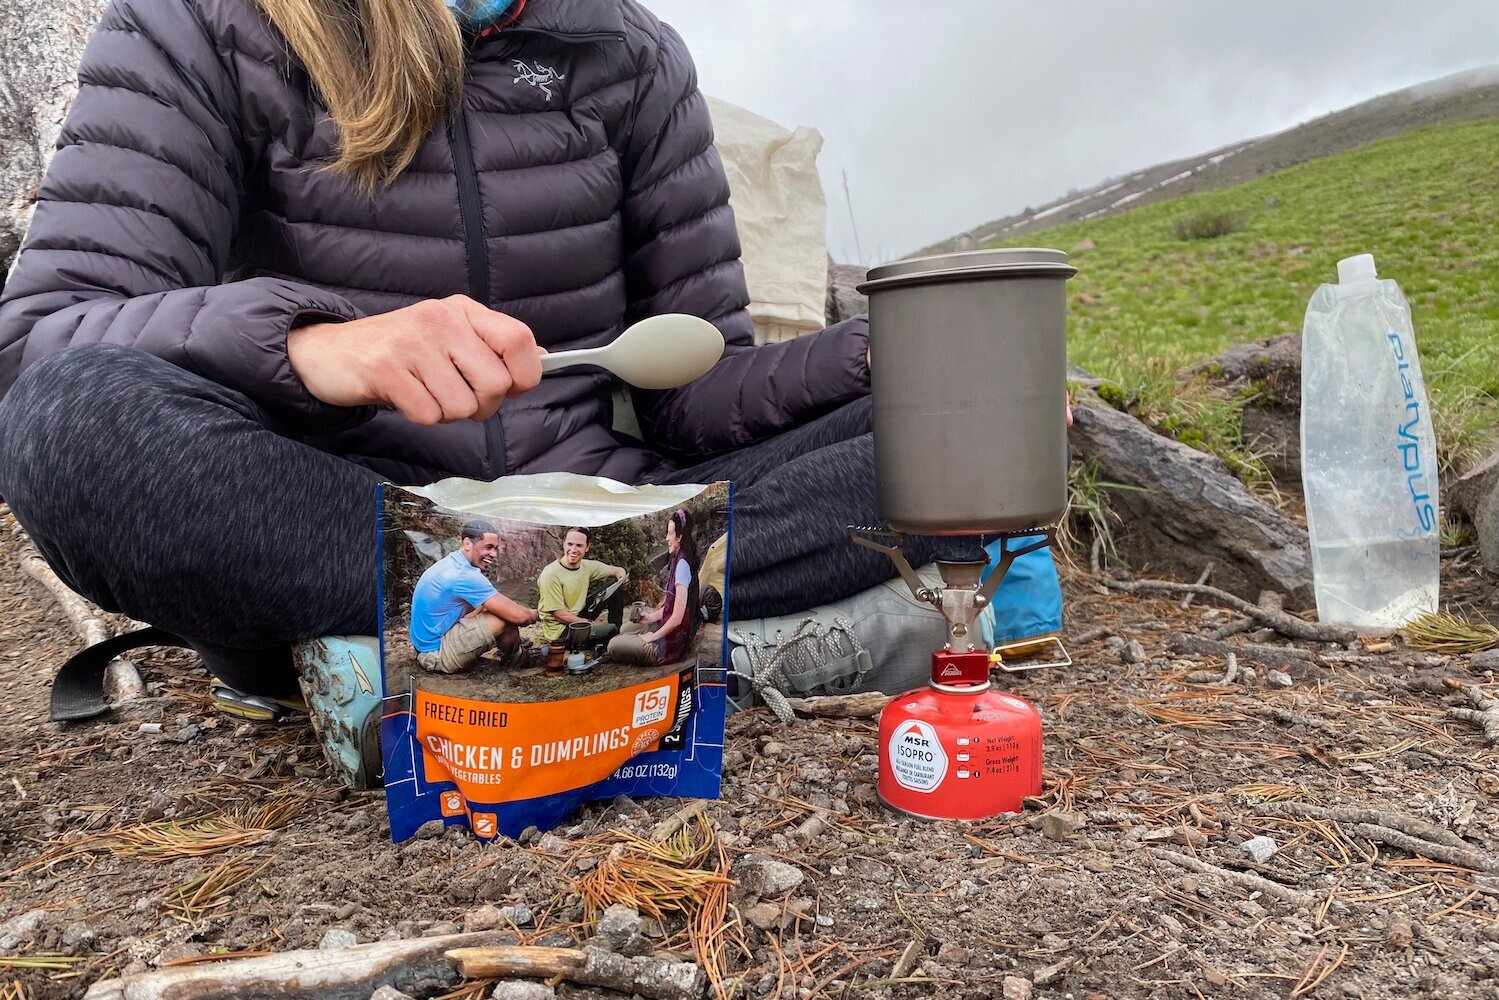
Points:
[(78, 688)]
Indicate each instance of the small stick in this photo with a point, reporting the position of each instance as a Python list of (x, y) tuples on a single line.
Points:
[(647, 976), (1484, 714), (1462, 857), (866, 705), (1286, 624), (1207, 571), (122, 681), (1242, 879), (907, 960), (1232, 628), (678, 819), (1409, 825)]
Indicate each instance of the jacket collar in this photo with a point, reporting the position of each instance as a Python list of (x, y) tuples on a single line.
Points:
[(582, 19)]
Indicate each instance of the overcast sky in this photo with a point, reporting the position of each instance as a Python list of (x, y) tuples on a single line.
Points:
[(949, 113)]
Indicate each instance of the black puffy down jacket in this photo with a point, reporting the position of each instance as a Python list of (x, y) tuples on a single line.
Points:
[(576, 189)]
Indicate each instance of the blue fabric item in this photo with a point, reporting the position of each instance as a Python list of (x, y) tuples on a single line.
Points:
[(450, 589), (476, 15), (1028, 603)]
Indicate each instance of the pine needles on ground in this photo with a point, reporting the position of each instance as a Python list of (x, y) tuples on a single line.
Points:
[(1444, 632)]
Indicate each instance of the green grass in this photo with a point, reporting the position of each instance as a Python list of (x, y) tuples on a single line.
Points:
[(1423, 203)]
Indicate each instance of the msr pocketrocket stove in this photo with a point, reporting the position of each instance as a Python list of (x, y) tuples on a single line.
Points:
[(969, 368)]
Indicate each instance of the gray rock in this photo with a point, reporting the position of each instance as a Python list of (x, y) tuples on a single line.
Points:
[(1133, 652), (1465, 495), (637, 945), (389, 993), (520, 914), (1278, 678), (1486, 528), (1269, 372), (767, 877), (1261, 849), (1060, 826), (766, 916), (844, 299), (79, 933), (619, 923), (1016, 988), (440, 928), (17, 929), (1189, 510), (485, 918), (1486, 660), (44, 40), (522, 989), (336, 938)]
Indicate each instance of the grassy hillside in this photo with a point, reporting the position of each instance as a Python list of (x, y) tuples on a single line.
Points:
[(1426, 204)]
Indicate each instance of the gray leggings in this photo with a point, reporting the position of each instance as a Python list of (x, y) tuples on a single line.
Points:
[(158, 493)]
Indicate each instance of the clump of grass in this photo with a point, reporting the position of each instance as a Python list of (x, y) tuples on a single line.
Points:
[(1444, 632), (1454, 533), (1462, 416), (1088, 512), (1191, 413), (1206, 224)]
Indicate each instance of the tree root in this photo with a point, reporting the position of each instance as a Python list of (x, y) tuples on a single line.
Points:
[(1254, 883), (1484, 713), (1286, 624), (1437, 852), (1419, 829)]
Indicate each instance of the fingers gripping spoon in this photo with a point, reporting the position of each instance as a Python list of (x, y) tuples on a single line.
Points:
[(659, 352)]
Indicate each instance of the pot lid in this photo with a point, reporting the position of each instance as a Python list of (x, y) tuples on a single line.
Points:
[(968, 261)]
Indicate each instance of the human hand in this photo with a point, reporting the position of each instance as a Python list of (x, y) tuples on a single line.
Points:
[(621, 574), (1069, 407), (435, 361)]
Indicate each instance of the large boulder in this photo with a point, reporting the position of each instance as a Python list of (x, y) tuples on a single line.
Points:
[(844, 299), (43, 41), (1187, 510), (1267, 373)]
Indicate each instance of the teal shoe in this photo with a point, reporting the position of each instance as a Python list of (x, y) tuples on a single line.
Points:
[(341, 683)]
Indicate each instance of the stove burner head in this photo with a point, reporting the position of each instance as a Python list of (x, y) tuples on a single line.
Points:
[(963, 573)]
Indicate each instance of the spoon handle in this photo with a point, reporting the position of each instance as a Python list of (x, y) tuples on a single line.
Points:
[(567, 359)]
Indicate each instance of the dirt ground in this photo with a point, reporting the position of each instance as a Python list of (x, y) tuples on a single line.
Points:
[(1078, 897)]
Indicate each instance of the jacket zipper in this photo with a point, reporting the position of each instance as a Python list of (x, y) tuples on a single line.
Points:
[(472, 211), (477, 252)]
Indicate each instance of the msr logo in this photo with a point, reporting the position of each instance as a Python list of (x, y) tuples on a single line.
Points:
[(541, 77), (951, 670)]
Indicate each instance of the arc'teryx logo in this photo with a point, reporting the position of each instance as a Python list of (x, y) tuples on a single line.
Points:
[(541, 77)]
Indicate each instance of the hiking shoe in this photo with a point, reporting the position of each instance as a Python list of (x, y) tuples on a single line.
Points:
[(880, 639), (710, 606), (341, 682)]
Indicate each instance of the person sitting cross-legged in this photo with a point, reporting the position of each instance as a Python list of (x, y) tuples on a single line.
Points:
[(575, 590), (456, 612)]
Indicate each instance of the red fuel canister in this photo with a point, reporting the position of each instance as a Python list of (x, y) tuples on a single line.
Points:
[(958, 749)]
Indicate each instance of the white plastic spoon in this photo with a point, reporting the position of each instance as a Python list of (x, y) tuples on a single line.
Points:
[(659, 352)]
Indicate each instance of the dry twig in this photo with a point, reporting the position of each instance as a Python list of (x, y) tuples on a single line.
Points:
[(1285, 624), (1484, 713), (1254, 883), (1400, 822)]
